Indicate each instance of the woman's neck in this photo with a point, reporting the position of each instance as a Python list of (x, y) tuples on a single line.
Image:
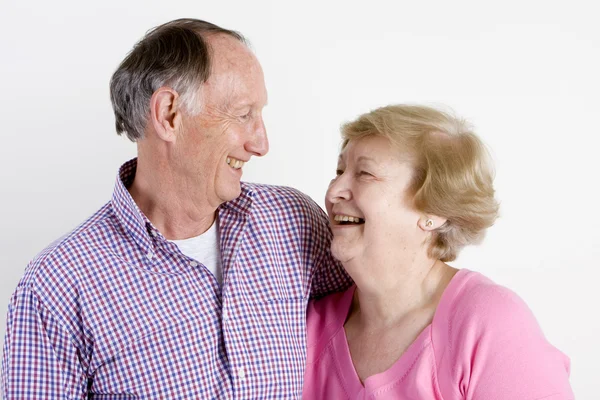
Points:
[(411, 290)]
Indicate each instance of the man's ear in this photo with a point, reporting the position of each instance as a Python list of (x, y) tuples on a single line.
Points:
[(165, 115), (430, 222)]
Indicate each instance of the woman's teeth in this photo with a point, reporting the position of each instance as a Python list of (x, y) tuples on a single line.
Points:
[(235, 163), (348, 218)]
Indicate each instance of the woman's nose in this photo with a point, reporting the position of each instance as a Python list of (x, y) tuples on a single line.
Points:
[(338, 190)]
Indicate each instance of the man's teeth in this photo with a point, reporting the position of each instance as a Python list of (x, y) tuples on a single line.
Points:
[(235, 163), (346, 218)]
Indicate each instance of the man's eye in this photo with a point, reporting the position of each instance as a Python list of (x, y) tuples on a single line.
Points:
[(338, 172), (364, 173)]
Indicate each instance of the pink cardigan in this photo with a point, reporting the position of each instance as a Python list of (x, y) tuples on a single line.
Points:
[(483, 344)]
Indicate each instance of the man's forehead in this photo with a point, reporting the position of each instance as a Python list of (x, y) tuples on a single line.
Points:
[(238, 85), (228, 52), (231, 64), (236, 75)]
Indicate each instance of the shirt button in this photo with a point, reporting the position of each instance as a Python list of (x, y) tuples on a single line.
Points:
[(241, 373), (149, 255), (193, 264), (154, 233)]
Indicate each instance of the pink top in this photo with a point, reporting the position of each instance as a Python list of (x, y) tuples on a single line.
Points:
[(483, 344)]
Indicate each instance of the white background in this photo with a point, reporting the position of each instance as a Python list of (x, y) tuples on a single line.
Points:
[(525, 73)]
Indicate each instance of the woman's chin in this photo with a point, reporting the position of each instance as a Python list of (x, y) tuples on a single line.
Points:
[(342, 252)]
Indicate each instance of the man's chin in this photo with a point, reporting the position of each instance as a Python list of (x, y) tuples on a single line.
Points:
[(231, 193)]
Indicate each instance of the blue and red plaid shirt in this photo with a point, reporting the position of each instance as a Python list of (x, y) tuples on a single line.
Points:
[(114, 310)]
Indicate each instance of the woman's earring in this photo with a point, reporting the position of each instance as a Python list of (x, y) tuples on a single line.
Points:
[(429, 223)]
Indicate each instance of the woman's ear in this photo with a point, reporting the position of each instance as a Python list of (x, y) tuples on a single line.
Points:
[(429, 223)]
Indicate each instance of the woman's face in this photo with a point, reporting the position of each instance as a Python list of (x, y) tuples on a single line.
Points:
[(370, 214)]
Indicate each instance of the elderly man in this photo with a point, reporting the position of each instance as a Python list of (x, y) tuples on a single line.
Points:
[(188, 283)]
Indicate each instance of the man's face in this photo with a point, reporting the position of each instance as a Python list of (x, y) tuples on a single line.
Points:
[(229, 130)]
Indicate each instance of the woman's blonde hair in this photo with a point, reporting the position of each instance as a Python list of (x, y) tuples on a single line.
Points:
[(453, 173)]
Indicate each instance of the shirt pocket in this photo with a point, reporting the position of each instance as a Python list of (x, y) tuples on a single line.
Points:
[(272, 272)]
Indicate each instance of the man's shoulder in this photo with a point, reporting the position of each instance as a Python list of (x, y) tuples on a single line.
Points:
[(61, 258), (273, 196), (276, 192)]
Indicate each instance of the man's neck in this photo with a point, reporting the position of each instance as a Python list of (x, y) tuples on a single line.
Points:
[(173, 209)]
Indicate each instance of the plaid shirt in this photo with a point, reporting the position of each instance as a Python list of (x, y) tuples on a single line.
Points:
[(114, 310)]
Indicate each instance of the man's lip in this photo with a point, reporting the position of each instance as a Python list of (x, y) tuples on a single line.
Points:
[(238, 158)]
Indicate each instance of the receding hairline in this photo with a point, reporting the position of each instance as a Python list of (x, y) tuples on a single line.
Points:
[(227, 52), (222, 45)]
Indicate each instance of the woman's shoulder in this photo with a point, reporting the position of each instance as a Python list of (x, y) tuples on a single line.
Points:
[(326, 316), (486, 335), (474, 301)]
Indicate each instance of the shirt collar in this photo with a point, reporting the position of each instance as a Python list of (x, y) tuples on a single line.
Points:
[(129, 215), (138, 225), (243, 203)]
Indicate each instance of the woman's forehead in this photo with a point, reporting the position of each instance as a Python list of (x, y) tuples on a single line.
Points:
[(368, 148)]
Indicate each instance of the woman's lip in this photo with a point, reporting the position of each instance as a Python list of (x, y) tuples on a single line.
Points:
[(335, 224)]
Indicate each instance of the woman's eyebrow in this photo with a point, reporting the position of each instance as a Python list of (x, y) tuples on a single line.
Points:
[(366, 158)]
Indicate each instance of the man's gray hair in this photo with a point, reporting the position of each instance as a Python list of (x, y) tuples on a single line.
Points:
[(174, 54)]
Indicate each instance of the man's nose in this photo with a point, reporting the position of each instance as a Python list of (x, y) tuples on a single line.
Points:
[(259, 144)]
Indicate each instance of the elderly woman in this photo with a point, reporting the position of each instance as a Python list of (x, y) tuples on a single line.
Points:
[(413, 186)]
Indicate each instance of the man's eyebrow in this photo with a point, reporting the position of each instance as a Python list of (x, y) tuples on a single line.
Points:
[(242, 104)]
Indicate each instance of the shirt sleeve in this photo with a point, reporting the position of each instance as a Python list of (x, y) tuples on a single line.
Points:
[(500, 351), (328, 274), (40, 360)]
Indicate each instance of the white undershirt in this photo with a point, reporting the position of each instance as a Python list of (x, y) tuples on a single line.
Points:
[(204, 249)]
